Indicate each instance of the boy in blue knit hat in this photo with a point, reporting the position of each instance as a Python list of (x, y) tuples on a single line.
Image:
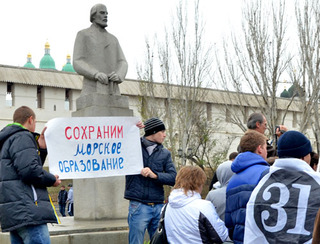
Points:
[(283, 206)]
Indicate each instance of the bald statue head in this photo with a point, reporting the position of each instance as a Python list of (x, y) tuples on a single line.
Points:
[(99, 15)]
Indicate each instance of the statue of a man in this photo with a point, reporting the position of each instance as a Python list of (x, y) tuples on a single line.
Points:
[(98, 56)]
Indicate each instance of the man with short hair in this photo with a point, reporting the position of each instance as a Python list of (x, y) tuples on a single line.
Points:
[(258, 122), (62, 200), (145, 191), (283, 207), (248, 167), (25, 206)]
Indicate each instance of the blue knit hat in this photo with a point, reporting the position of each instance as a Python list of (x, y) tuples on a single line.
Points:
[(293, 144), (152, 126)]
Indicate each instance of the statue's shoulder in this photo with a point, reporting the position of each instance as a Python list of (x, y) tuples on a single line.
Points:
[(111, 36), (85, 31)]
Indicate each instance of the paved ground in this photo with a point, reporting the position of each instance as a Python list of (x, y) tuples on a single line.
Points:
[(71, 231), (69, 225)]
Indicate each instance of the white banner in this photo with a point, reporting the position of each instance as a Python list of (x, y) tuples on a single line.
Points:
[(90, 147)]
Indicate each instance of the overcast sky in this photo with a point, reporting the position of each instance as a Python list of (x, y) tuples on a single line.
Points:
[(26, 26)]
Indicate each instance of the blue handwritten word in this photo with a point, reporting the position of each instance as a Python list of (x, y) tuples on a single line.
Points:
[(67, 166), (99, 148)]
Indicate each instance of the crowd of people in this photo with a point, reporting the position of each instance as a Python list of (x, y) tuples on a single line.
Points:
[(270, 196), (261, 195)]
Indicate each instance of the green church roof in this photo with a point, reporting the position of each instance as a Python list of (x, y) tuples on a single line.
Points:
[(291, 90), (296, 90), (47, 61), (29, 63), (285, 93), (68, 66)]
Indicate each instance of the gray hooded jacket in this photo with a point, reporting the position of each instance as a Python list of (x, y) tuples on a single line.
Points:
[(218, 196)]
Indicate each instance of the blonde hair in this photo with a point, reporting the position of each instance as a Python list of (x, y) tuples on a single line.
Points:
[(190, 178)]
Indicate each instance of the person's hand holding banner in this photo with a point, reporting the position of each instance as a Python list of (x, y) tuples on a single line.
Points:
[(90, 147)]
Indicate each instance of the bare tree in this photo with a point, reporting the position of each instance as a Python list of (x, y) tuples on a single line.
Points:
[(185, 65), (258, 60), (306, 68), (255, 61), (204, 144), (146, 76)]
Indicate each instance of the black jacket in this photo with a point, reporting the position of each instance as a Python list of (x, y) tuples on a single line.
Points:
[(62, 197), (148, 190), (24, 198)]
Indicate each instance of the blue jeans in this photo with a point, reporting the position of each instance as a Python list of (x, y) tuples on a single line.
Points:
[(33, 234), (141, 217)]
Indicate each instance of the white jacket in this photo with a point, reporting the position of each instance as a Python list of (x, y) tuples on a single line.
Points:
[(189, 219)]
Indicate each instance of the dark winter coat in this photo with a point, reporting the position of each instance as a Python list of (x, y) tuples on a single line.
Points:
[(248, 168), (148, 190), (24, 199), (62, 197)]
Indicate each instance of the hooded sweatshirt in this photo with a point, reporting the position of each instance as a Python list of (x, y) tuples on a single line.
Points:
[(24, 199), (218, 196), (248, 168), (189, 219)]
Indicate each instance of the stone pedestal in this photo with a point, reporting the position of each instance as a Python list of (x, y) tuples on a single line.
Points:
[(98, 104), (100, 198)]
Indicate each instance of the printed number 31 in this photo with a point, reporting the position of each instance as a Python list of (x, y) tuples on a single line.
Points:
[(304, 192)]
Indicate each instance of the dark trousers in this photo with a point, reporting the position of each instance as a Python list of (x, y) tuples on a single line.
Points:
[(70, 208), (62, 209)]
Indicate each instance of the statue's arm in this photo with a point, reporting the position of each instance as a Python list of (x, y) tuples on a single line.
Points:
[(120, 73), (122, 64), (81, 63)]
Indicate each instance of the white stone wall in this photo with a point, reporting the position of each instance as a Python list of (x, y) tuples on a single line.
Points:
[(216, 113), (24, 95), (73, 95), (53, 106), (134, 104), (53, 99), (3, 93)]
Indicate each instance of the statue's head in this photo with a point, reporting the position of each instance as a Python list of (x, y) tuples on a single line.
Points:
[(99, 15)]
